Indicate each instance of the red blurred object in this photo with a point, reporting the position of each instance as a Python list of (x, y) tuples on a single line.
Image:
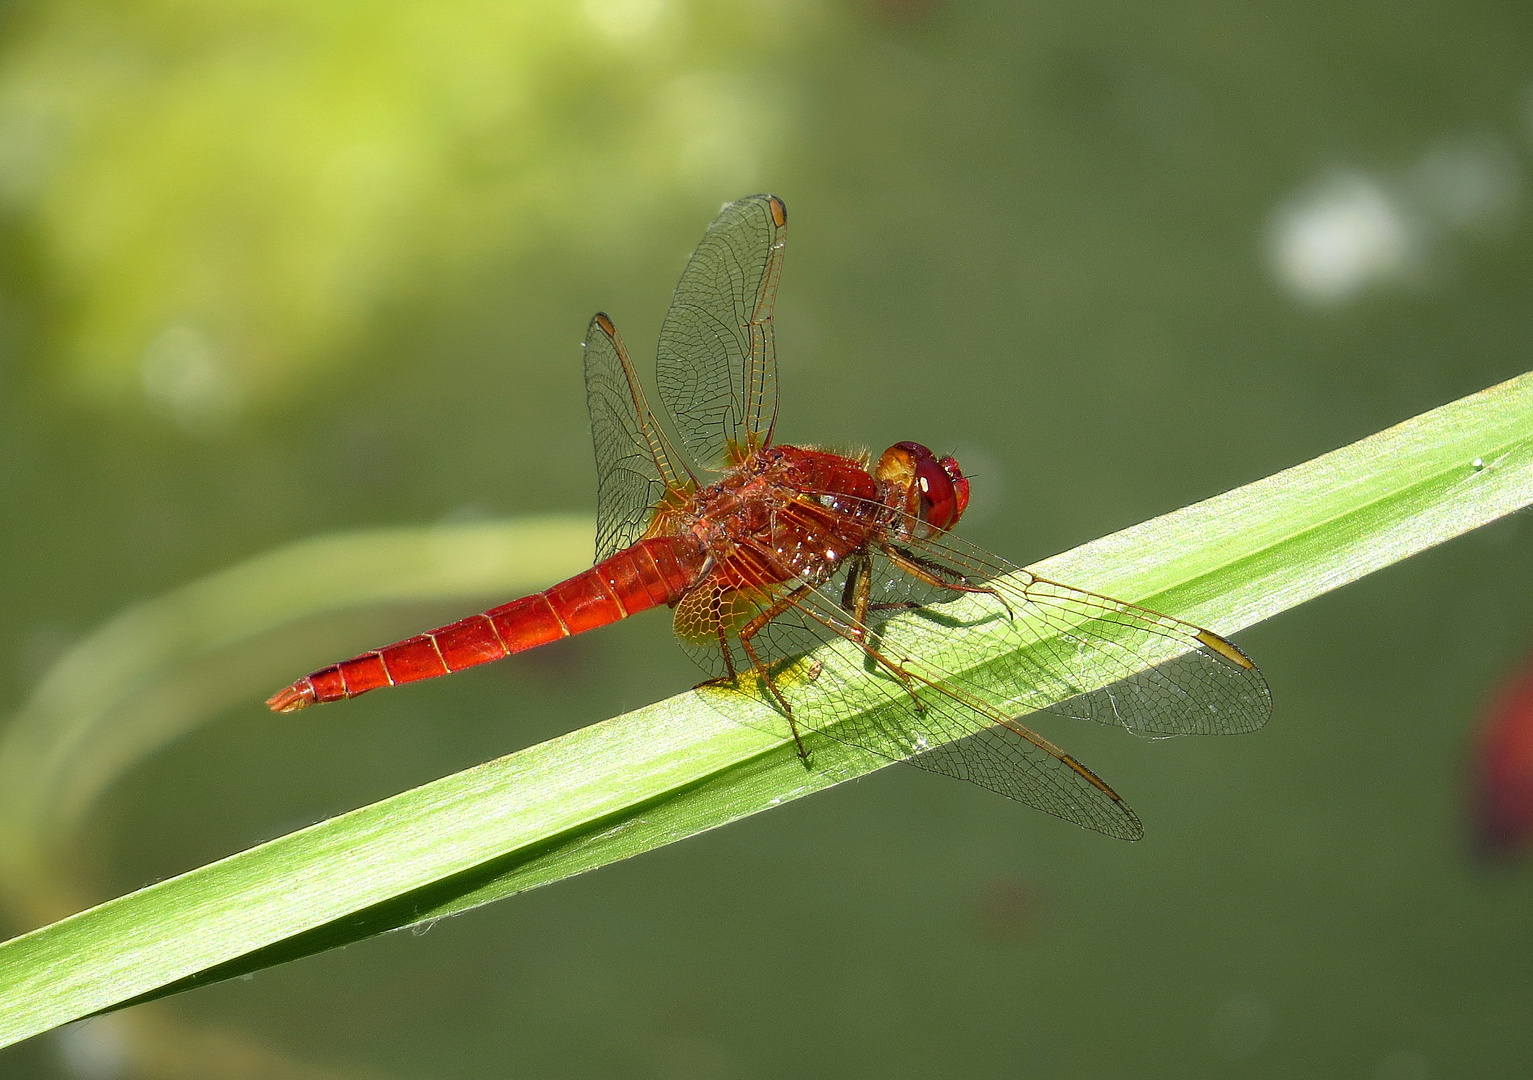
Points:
[(1007, 908), (1503, 770)]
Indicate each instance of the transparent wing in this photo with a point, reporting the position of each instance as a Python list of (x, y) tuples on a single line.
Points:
[(635, 475), (1072, 652), (717, 367), (917, 713), (901, 684)]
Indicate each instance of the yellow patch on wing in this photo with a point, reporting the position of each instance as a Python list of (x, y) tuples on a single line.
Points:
[(1226, 649)]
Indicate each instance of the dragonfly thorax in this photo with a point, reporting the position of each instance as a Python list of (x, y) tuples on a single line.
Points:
[(786, 513)]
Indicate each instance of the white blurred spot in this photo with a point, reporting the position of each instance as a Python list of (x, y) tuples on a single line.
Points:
[(1403, 1065), (1465, 183), (1353, 230), (182, 374), (1241, 1027), (1338, 236), (625, 21), (93, 1049)]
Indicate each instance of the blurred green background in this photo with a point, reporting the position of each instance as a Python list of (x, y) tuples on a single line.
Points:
[(271, 269)]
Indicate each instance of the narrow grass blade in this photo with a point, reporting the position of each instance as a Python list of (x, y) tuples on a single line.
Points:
[(160, 667)]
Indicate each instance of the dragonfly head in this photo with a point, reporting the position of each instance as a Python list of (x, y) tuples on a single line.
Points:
[(926, 487)]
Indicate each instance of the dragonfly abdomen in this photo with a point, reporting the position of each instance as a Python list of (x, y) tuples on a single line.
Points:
[(649, 573)]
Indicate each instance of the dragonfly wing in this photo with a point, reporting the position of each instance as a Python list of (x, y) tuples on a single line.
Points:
[(1064, 650), (717, 366), (851, 692), (1016, 762), (957, 646), (635, 467), (1197, 683), (712, 606)]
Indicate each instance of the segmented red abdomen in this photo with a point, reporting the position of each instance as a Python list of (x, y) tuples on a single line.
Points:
[(649, 573)]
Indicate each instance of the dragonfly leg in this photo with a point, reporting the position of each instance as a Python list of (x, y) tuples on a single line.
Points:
[(906, 680), (934, 573), (856, 603), (729, 679), (749, 631), (901, 676), (729, 660), (856, 599), (855, 596), (771, 685)]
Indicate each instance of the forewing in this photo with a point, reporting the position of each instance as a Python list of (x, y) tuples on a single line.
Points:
[(906, 684), (1064, 650), (850, 691), (635, 468), (717, 367), (1196, 683)]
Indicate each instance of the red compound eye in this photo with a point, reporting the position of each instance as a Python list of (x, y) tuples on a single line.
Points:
[(942, 488), (960, 488)]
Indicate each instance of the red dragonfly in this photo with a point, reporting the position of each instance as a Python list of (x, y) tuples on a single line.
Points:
[(828, 586)]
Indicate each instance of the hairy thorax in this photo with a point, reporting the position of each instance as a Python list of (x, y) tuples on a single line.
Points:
[(788, 513)]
